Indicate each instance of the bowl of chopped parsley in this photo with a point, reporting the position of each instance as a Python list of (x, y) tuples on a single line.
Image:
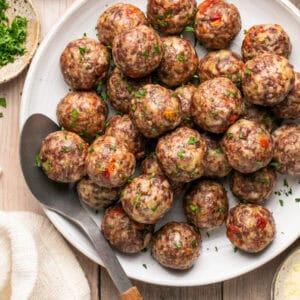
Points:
[(19, 37)]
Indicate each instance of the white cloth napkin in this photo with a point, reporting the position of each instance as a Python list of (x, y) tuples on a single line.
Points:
[(35, 261)]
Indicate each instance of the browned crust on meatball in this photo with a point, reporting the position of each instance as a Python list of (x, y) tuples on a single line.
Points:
[(83, 113), (121, 89), (63, 155), (123, 129), (255, 187), (83, 63), (206, 204), (287, 149), (250, 227), (264, 38), (137, 52), (268, 79), (248, 146), (217, 23), (289, 108), (171, 16), (123, 233), (216, 162), (216, 104), (95, 196), (109, 163), (116, 19), (179, 63), (222, 63), (147, 198), (181, 154), (176, 246), (154, 110)]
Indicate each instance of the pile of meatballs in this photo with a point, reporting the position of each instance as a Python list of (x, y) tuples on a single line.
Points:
[(184, 136)]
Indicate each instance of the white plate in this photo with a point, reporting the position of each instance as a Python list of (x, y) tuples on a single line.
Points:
[(43, 89)]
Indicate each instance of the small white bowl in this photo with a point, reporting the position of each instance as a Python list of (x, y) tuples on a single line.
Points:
[(23, 8)]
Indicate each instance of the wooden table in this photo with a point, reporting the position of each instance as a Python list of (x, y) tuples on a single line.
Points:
[(14, 195)]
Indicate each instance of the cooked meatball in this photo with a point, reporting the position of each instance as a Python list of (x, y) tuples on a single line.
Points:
[(216, 104), (255, 187), (179, 63), (137, 52), (176, 246), (62, 156), (268, 79), (216, 162), (248, 146), (222, 63), (264, 38), (120, 89), (206, 205), (217, 23), (96, 196), (171, 16), (259, 114), (185, 95), (147, 198), (83, 113), (155, 110), (289, 108), (116, 19), (123, 129), (250, 227), (181, 154), (287, 149), (84, 62), (123, 233), (109, 163)]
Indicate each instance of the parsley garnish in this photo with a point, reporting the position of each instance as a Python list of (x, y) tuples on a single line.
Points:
[(219, 150), (137, 199), (3, 102), (178, 245), (248, 72), (181, 57), (180, 153), (65, 149), (189, 29), (192, 140), (47, 165), (193, 208), (145, 266), (146, 54), (74, 115), (281, 202), (156, 49), (140, 93), (194, 243), (38, 161)]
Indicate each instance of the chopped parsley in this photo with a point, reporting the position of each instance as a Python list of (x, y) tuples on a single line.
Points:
[(194, 243), (140, 93), (189, 29), (65, 149), (74, 115), (192, 140), (146, 54), (262, 180), (245, 31), (274, 164), (1, 114), (47, 165), (3, 102), (297, 200), (219, 150), (38, 161), (248, 72), (216, 248), (220, 209), (235, 249), (137, 199), (109, 47), (99, 87), (113, 147), (281, 202), (169, 13), (230, 134), (181, 57), (214, 113), (156, 49), (193, 208), (178, 245), (207, 233), (91, 150), (180, 153), (145, 266), (285, 182)]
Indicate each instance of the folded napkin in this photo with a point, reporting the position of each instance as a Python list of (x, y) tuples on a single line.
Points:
[(35, 261)]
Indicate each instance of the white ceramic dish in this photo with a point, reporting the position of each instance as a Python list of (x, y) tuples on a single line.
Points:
[(43, 89)]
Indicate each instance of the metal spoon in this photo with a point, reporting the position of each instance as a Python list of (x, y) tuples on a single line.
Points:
[(63, 199)]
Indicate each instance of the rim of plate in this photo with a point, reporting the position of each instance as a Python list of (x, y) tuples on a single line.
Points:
[(54, 216)]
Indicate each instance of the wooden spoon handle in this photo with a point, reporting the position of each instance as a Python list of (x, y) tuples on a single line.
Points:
[(131, 294)]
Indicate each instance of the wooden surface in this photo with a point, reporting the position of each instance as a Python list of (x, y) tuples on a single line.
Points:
[(14, 195)]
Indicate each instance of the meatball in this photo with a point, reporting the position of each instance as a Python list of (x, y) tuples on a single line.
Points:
[(217, 23), (259, 114), (185, 95), (181, 154), (206, 205), (123, 129), (255, 187), (109, 163), (84, 62), (147, 198), (176, 246), (123, 233), (216, 162), (116, 19), (155, 111), (83, 113), (287, 149), (179, 63), (216, 104), (289, 108), (137, 52), (121, 89), (248, 146), (250, 227), (268, 79), (264, 38), (62, 156), (171, 16), (96, 196), (222, 63)]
